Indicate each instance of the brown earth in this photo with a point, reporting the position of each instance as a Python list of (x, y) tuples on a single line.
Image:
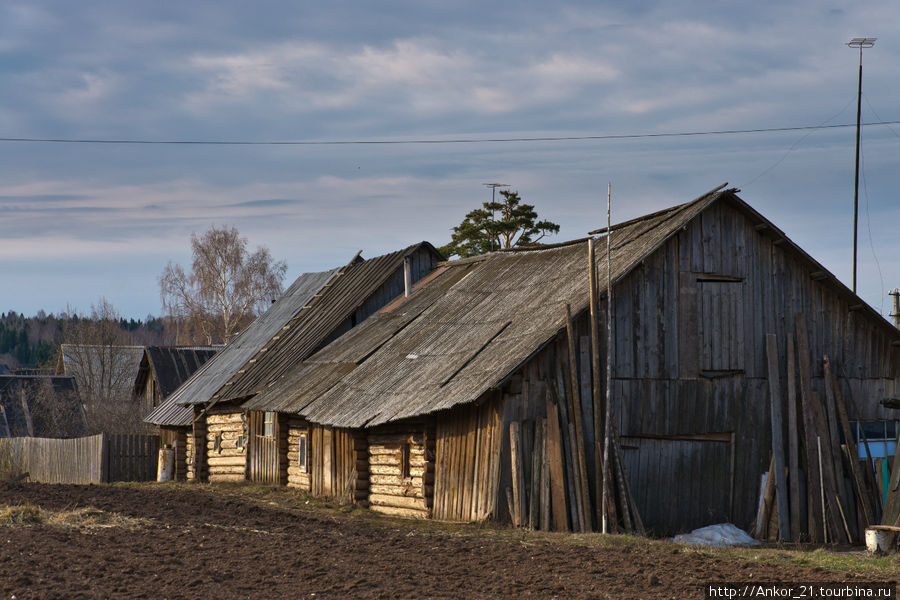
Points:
[(190, 541)]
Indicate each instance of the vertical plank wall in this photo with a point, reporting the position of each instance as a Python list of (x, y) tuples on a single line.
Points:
[(467, 462), (334, 458)]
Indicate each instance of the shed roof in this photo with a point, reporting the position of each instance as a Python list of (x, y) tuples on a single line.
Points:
[(470, 326)]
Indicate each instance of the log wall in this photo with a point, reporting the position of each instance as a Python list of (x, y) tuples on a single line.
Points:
[(295, 476), (226, 447), (389, 491)]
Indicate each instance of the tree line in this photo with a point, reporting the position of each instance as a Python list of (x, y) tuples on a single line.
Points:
[(33, 342)]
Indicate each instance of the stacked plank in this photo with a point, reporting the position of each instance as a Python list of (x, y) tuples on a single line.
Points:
[(556, 462), (359, 456), (839, 500), (550, 487)]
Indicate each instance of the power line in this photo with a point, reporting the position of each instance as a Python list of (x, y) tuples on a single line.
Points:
[(799, 141), (384, 142)]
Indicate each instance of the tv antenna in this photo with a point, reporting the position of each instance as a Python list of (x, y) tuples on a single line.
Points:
[(859, 42)]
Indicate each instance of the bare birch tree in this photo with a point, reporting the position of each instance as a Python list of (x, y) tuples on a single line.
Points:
[(54, 412), (99, 354), (226, 288)]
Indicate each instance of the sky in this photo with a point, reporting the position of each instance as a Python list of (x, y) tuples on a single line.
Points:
[(81, 221)]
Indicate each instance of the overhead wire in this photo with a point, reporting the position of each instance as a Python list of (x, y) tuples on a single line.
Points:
[(862, 171), (561, 138), (796, 144)]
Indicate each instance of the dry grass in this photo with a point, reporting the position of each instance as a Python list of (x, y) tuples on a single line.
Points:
[(84, 519), (26, 514)]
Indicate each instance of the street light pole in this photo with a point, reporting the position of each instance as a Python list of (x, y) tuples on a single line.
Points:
[(860, 43)]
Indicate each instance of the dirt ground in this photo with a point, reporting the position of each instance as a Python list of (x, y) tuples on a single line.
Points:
[(186, 541)]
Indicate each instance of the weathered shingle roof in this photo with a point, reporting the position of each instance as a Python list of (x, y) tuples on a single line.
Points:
[(173, 365), (471, 325), (209, 378), (318, 307), (316, 322)]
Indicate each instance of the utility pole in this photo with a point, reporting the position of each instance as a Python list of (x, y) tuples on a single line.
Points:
[(494, 187), (863, 42)]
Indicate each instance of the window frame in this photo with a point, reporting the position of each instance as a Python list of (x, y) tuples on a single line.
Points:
[(406, 460)]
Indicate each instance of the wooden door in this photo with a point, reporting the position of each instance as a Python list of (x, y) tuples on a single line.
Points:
[(263, 447), (681, 483)]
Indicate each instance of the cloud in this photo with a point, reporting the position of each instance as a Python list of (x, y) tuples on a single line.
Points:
[(89, 89), (355, 71), (417, 75), (7, 199), (268, 202)]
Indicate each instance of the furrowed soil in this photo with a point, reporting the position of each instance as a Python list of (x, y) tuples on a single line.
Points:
[(200, 541)]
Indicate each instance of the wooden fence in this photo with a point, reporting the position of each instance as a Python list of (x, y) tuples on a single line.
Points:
[(132, 457), (98, 458)]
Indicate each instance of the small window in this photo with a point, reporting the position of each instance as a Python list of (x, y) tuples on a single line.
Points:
[(404, 460), (269, 424), (881, 437), (302, 459)]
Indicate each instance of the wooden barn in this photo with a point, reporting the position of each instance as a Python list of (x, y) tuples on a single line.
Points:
[(476, 397), (162, 370), (230, 443)]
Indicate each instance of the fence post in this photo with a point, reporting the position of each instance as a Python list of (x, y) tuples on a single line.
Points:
[(104, 459)]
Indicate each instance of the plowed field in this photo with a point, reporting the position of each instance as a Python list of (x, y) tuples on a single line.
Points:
[(187, 541)]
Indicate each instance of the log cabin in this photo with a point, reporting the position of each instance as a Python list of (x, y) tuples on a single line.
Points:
[(230, 443), (482, 395), (162, 370)]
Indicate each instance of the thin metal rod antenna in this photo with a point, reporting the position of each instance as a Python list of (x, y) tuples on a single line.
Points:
[(858, 43), (609, 350), (494, 187)]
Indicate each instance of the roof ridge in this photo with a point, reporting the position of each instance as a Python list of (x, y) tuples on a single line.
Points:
[(659, 213)]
